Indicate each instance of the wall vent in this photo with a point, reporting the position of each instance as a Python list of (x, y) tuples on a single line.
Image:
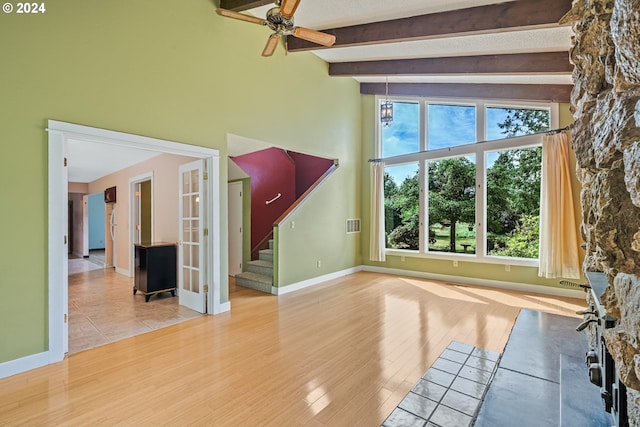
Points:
[(353, 226)]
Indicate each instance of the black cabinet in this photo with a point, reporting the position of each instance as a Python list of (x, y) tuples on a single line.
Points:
[(155, 269)]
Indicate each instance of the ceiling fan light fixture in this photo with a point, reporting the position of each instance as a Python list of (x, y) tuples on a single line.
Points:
[(280, 21)]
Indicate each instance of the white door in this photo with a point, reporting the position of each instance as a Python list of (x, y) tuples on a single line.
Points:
[(235, 228), (192, 248), (65, 264)]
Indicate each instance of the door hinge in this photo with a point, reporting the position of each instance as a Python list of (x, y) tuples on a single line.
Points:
[(65, 318), (206, 288), (205, 175), (206, 231), (65, 162), (65, 240)]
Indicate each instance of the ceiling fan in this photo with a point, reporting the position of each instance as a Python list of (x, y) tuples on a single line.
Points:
[(280, 20)]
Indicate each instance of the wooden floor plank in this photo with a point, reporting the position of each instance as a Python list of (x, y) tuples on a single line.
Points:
[(341, 353)]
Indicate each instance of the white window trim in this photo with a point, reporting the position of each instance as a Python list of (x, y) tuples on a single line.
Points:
[(479, 150)]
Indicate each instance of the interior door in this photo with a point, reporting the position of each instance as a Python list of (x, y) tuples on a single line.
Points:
[(192, 245), (235, 228)]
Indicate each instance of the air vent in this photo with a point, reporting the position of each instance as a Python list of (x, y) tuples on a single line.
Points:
[(353, 226)]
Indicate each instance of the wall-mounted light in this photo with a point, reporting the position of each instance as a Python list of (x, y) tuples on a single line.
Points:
[(386, 108)]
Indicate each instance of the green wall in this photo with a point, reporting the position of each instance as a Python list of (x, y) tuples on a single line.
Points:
[(472, 270), (164, 69)]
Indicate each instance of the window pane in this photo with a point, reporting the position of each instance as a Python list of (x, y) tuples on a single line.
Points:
[(504, 122), (402, 207), (513, 202), (450, 125), (402, 136), (452, 205)]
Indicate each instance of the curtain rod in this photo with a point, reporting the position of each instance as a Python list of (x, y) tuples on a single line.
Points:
[(546, 132)]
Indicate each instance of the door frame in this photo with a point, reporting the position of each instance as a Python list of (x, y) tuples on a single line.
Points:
[(133, 182), (58, 135)]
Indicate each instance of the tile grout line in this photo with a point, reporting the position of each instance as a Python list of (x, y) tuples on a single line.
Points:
[(422, 408)]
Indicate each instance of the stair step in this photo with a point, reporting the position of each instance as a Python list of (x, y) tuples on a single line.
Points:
[(259, 282), (266, 255), (270, 243), (261, 267)]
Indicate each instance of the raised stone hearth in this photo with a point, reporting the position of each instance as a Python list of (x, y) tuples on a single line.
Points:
[(606, 139)]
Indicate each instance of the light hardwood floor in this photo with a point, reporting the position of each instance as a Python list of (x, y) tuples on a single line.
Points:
[(343, 353)]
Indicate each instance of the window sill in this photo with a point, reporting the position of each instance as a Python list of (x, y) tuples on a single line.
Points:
[(522, 262)]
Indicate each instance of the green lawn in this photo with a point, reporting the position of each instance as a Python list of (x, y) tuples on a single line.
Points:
[(463, 236)]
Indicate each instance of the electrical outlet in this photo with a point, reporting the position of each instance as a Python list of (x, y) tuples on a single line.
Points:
[(455, 262), (319, 264), (507, 267), (293, 224)]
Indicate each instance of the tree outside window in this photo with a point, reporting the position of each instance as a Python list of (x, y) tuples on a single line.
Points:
[(452, 205)]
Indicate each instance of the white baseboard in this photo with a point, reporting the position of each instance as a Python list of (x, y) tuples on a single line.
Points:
[(314, 281), (222, 308), (487, 283), (24, 364), (123, 272)]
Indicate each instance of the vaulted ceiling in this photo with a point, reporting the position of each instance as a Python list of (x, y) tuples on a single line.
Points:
[(454, 48)]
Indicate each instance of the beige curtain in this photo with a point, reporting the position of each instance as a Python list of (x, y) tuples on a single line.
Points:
[(558, 232), (377, 240)]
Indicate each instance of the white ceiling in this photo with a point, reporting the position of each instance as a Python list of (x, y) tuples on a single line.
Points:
[(326, 14), (89, 161)]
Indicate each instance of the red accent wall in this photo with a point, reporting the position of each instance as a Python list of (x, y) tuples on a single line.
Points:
[(271, 172), (308, 170)]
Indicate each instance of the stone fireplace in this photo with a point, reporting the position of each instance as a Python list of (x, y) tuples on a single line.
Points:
[(606, 139)]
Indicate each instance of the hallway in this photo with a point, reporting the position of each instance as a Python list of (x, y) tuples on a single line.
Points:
[(103, 309)]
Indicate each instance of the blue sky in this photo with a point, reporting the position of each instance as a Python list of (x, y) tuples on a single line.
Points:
[(448, 126)]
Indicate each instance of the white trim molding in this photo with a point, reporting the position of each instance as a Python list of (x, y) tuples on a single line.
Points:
[(485, 283), (313, 281), (24, 364)]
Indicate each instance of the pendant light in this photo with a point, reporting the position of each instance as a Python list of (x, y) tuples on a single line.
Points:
[(386, 108)]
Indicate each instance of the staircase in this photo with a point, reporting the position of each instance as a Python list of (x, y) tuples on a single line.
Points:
[(259, 274)]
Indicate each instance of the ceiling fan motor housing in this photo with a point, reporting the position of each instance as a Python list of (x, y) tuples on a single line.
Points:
[(277, 22)]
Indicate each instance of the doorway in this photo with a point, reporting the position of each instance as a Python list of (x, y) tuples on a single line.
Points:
[(235, 227), (60, 134)]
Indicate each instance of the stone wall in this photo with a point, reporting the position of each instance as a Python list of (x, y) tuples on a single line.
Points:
[(606, 138)]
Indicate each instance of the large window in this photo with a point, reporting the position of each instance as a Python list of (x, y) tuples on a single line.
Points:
[(463, 178)]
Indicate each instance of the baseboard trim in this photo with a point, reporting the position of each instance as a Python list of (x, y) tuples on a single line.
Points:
[(314, 281), (222, 308), (24, 364), (123, 272), (486, 283)]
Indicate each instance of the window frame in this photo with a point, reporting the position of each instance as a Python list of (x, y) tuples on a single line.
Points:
[(479, 149)]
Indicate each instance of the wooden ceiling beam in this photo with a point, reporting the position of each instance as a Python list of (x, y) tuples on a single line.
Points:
[(518, 63), (242, 5), (521, 14), (524, 92)]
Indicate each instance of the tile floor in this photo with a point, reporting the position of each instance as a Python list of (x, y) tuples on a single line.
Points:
[(103, 309), (450, 392)]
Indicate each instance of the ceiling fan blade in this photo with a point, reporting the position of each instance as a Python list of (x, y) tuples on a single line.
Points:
[(314, 36), (241, 16), (288, 8), (271, 45)]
